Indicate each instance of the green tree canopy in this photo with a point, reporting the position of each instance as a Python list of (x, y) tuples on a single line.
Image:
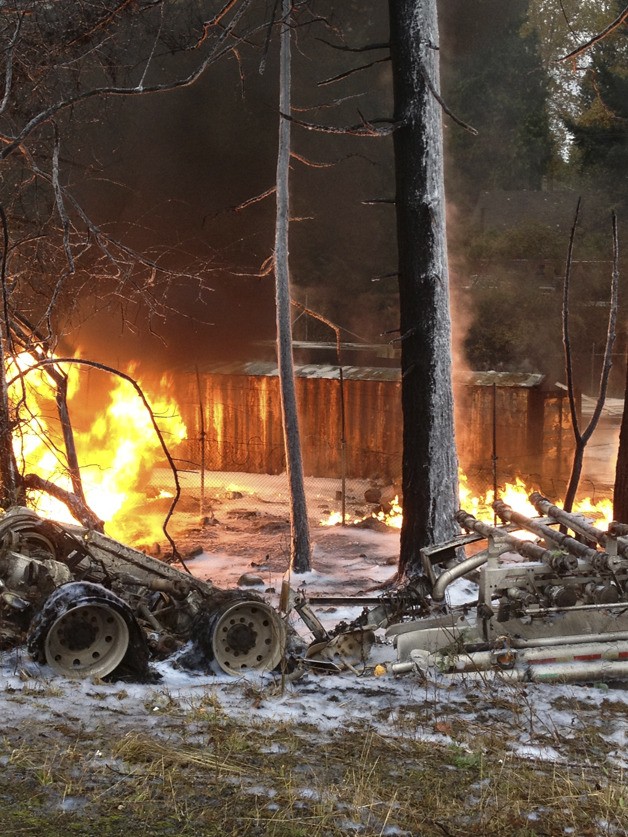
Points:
[(493, 79), (600, 131)]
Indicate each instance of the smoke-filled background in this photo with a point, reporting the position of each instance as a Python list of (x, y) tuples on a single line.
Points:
[(182, 171), (177, 175)]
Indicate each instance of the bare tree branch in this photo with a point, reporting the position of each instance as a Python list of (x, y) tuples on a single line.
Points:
[(364, 129), (256, 199), (310, 163), (58, 193), (328, 103), (365, 48), (12, 143), (615, 24), (610, 336), (152, 49), (8, 68), (566, 336), (215, 21), (353, 70), (583, 438), (321, 318), (78, 508), (441, 102)]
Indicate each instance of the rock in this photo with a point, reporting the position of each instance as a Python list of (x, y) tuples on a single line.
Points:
[(250, 580), (194, 553), (373, 495), (372, 523), (388, 494)]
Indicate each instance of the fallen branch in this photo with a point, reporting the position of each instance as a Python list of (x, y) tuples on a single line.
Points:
[(77, 507)]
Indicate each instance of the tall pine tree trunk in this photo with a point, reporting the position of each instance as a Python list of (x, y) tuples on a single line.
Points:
[(620, 493), (299, 528), (430, 468)]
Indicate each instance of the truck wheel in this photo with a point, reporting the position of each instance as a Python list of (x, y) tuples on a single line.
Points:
[(85, 630)]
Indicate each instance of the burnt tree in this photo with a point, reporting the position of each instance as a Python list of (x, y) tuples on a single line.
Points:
[(429, 468), (299, 530), (620, 493)]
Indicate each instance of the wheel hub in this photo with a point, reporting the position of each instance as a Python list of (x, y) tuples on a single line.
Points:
[(248, 636), (241, 638), (77, 633), (87, 640)]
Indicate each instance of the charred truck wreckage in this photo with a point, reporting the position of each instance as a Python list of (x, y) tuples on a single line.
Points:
[(554, 608), (550, 609), (90, 606)]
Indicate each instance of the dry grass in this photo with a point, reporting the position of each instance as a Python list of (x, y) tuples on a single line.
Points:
[(200, 772)]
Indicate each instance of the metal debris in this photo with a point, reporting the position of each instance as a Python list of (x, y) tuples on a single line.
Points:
[(91, 606), (550, 609)]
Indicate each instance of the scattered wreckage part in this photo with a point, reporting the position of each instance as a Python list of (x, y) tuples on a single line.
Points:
[(379, 611), (162, 645), (504, 656), (120, 558), (616, 536), (297, 601), (346, 650), (89, 640), (21, 573), (444, 554), (13, 601), (174, 587), (554, 624), (23, 531), (85, 630), (248, 635), (617, 529), (548, 618), (454, 630), (23, 526), (582, 663), (503, 539), (577, 523)]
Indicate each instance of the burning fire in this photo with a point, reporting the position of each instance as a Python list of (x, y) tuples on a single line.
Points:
[(392, 518), (514, 494), (117, 451)]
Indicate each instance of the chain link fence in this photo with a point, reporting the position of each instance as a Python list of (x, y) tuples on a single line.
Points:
[(352, 440)]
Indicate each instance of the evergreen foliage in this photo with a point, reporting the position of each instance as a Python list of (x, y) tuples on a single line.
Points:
[(494, 80), (600, 132)]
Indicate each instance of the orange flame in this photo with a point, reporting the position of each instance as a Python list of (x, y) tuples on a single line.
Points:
[(515, 494), (117, 453)]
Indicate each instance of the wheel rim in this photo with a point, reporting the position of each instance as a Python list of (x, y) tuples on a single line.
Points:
[(248, 636), (87, 640)]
